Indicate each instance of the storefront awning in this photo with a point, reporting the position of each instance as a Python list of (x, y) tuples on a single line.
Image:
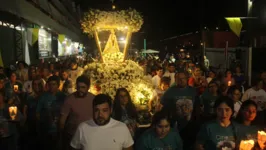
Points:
[(24, 9)]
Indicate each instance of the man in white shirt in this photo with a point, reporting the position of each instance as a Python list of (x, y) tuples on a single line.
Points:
[(170, 73), (102, 132), (157, 78)]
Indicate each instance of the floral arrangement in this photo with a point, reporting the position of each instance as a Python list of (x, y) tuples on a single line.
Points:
[(96, 19), (114, 75), (113, 57)]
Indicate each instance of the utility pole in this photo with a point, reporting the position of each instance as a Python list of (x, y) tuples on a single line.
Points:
[(249, 54)]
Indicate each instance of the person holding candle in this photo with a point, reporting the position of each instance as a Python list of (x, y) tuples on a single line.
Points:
[(228, 79), (8, 130), (160, 135), (221, 132)]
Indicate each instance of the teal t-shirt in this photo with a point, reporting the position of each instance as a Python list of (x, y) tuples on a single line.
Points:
[(180, 102), (248, 132), (49, 109), (150, 141), (208, 101), (214, 137)]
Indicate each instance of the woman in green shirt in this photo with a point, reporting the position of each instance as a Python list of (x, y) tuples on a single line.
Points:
[(160, 136), (222, 132)]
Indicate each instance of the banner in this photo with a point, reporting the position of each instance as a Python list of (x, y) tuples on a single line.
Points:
[(27, 54), (32, 35), (235, 25)]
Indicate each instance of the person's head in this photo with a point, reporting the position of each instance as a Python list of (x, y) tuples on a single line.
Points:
[(2, 81), (213, 87), (224, 108), (21, 65), (73, 64), (159, 71), (13, 76), (228, 73), (165, 83), (64, 74), (171, 67), (257, 84), (37, 86), (122, 97), (197, 71), (181, 79), (235, 93), (32, 72), (45, 72), (247, 112), (53, 83), (102, 109), (161, 123), (212, 74), (238, 69), (83, 84), (263, 76), (2, 70)]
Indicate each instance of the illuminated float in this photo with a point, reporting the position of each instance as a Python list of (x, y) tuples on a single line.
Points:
[(112, 31)]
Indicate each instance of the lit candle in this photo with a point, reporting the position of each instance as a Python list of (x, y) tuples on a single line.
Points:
[(246, 145), (261, 139), (15, 87), (229, 83), (13, 112)]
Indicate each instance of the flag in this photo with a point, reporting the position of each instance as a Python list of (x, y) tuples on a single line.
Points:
[(235, 25), (61, 38), (32, 35)]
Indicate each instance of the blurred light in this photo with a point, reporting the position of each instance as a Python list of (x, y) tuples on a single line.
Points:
[(217, 28), (42, 27), (49, 29), (113, 7), (181, 50), (122, 38), (201, 44), (205, 27)]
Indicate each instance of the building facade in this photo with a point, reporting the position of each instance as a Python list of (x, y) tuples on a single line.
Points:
[(32, 29)]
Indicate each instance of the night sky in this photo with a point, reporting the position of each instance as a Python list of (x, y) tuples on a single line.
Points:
[(166, 18)]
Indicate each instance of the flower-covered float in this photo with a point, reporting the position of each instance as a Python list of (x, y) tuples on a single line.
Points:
[(112, 31)]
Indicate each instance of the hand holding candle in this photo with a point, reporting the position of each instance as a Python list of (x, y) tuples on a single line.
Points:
[(15, 88), (13, 112), (229, 83), (246, 145), (261, 139)]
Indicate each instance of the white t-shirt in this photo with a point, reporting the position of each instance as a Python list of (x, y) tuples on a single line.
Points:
[(257, 96), (112, 136), (156, 81)]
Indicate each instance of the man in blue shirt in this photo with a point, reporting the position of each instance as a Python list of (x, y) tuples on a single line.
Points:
[(48, 112)]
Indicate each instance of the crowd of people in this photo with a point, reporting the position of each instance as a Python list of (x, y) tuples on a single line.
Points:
[(190, 109)]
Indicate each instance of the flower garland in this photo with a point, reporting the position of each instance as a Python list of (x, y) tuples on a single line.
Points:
[(114, 75), (95, 19)]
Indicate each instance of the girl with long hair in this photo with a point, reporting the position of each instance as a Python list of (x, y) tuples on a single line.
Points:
[(124, 110)]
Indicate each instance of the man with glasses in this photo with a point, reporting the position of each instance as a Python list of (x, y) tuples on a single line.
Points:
[(76, 109)]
